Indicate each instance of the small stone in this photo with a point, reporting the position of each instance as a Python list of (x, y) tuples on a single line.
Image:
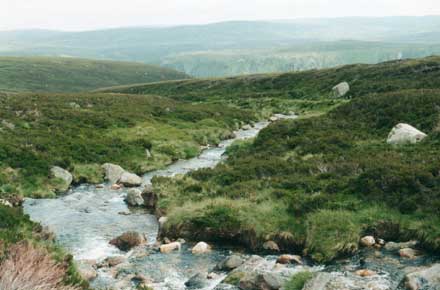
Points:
[(115, 187), (128, 240), (409, 253), (365, 273), (168, 248), (271, 246), (367, 241), (201, 248), (289, 259)]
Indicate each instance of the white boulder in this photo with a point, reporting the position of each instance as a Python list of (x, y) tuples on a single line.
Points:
[(62, 175), (134, 197), (367, 241), (340, 90), (201, 248), (405, 134), (113, 172), (168, 248), (130, 179)]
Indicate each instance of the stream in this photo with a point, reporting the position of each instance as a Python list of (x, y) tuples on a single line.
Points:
[(87, 218)]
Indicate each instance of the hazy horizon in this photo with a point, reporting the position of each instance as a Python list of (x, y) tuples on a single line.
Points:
[(99, 14)]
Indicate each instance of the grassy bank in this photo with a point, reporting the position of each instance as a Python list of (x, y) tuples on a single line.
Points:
[(319, 183), (81, 131), (57, 74)]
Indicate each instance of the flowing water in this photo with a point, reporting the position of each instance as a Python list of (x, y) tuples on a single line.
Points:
[(87, 218)]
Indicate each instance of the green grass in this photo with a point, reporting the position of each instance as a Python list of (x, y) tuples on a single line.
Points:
[(298, 281), (56, 74), (101, 128), (319, 183)]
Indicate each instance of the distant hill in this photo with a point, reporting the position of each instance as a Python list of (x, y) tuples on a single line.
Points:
[(241, 47), (55, 74)]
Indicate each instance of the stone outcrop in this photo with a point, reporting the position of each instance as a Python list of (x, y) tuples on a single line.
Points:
[(168, 248), (150, 198), (112, 172), (128, 240), (64, 178), (130, 179), (340, 90), (201, 248), (423, 278), (134, 197), (230, 263), (403, 134)]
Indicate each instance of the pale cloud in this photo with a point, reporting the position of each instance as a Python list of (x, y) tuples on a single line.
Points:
[(92, 14)]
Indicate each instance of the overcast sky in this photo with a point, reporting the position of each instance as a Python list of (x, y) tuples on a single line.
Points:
[(93, 14)]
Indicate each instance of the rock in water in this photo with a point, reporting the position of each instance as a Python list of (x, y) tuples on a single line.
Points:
[(340, 90), (201, 248), (168, 248), (405, 134), (134, 197), (198, 281), (368, 241), (230, 263), (289, 259), (128, 240), (86, 271), (392, 246), (271, 246), (424, 278), (150, 198), (63, 176), (130, 179), (112, 172)]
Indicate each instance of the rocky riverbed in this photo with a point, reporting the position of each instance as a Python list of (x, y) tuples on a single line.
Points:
[(87, 218)]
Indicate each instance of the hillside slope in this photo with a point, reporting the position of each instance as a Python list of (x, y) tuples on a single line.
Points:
[(363, 79), (53, 74), (241, 47)]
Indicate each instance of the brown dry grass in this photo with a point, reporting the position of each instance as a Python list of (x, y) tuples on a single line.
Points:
[(27, 267)]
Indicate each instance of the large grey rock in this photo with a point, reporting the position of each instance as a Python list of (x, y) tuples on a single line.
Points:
[(63, 176), (349, 281), (340, 90), (134, 197), (230, 263), (130, 179), (424, 278), (150, 198), (128, 240), (112, 172), (405, 134), (86, 271), (392, 246), (198, 281)]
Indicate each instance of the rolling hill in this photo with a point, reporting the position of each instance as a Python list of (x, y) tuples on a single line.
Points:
[(236, 48), (56, 74)]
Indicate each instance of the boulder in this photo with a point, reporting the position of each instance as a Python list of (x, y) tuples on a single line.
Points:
[(273, 119), (114, 261), (289, 259), (130, 179), (423, 278), (128, 240), (115, 187), (367, 241), (62, 175), (134, 197), (230, 263), (365, 273), (201, 248), (340, 90), (5, 203), (168, 248), (405, 134), (392, 246), (112, 172), (150, 198), (409, 253), (198, 281), (247, 127), (263, 281), (162, 220), (271, 246), (86, 271), (339, 281)]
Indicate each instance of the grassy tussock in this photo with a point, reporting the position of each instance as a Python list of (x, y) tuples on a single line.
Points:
[(28, 267)]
